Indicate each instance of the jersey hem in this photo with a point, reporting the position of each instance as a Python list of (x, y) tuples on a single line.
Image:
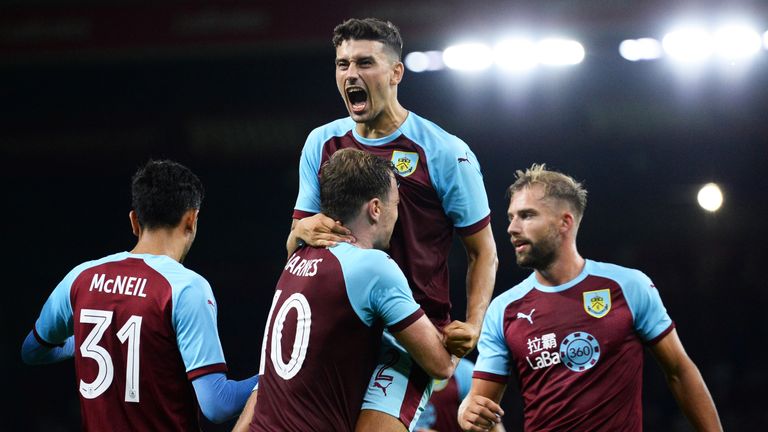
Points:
[(475, 227), (206, 370), (658, 338), (43, 342), (407, 321), (490, 377)]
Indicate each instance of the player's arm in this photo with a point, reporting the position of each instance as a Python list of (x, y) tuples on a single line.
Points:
[(37, 352), (686, 383), (480, 410), (317, 230), (220, 398), (425, 344), (244, 421), (482, 262)]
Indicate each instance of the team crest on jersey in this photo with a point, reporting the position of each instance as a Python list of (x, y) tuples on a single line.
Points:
[(439, 385), (405, 162), (597, 303)]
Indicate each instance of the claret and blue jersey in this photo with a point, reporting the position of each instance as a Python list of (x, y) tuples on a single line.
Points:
[(323, 334), (441, 189), (145, 327), (576, 349)]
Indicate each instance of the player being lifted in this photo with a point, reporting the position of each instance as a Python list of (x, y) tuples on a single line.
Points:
[(141, 326), (441, 191)]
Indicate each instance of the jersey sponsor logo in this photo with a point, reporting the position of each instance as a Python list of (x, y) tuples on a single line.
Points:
[(579, 351), (597, 303), (529, 316), (537, 348), (405, 162)]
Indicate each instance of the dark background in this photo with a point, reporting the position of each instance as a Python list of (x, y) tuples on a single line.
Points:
[(90, 90)]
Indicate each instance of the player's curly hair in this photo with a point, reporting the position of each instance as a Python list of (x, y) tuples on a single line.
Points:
[(369, 29), (162, 191), (349, 179), (556, 185)]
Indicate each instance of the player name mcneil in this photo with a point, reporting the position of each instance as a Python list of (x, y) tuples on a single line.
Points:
[(125, 285)]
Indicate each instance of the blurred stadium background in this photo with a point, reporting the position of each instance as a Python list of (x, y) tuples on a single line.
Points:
[(89, 90)]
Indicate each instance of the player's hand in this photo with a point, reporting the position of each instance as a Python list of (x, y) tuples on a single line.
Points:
[(478, 413), (460, 338), (321, 231)]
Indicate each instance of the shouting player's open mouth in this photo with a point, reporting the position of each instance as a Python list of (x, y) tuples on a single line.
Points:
[(358, 99)]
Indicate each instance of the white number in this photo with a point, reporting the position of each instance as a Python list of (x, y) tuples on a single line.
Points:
[(91, 349), (298, 302)]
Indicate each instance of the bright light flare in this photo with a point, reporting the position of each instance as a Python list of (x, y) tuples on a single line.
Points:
[(737, 42), (560, 52), (515, 54), (640, 49), (765, 39), (688, 45), (710, 197), (468, 57), (418, 61)]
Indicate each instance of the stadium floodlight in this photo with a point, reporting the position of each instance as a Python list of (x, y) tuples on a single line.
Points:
[(640, 49), (560, 52), (737, 41), (710, 197), (416, 61), (468, 57), (765, 39), (515, 54), (688, 45)]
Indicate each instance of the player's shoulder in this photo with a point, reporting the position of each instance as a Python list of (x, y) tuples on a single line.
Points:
[(517, 292), (374, 262), (624, 276), (432, 137), (335, 128), (177, 275)]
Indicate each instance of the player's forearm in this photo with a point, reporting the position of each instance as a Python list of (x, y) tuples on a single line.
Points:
[(221, 399), (293, 242), (694, 399), (481, 277)]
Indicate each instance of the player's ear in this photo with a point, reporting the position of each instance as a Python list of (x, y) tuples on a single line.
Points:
[(135, 227), (374, 210), (567, 222), (189, 220), (398, 70)]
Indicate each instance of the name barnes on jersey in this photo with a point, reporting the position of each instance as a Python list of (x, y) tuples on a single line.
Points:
[(298, 266), (125, 285)]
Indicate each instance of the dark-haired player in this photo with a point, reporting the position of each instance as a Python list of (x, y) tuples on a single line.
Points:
[(141, 326), (441, 192)]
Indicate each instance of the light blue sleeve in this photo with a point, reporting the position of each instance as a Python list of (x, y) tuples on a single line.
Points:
[(391, 298), (650, 315), (56, 323), (376, 287), (493, 354), (459, 182), (194, 320), (463, 377), (308, 199), (221, 399)]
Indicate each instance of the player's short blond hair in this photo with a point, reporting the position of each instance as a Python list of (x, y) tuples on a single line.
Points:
[(556, 185)]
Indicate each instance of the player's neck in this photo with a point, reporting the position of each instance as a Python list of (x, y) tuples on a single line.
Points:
[(386, 123), (161, 242), (568, 265)]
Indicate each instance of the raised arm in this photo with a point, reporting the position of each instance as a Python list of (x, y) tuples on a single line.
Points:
[(482, 262), (425, 344), (480, 410), (317, 230), (686, 383)]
